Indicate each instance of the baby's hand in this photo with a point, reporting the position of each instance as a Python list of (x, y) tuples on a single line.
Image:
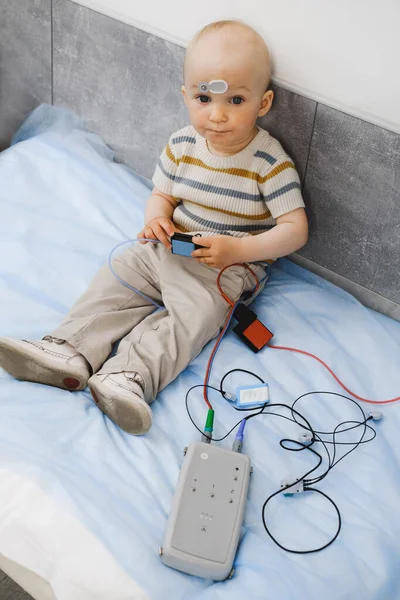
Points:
[(159, 228), (219, 251)]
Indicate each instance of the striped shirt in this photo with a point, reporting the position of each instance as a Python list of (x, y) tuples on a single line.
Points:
[(238, 195)]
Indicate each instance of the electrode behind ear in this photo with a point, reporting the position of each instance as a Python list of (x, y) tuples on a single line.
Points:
[(216, 86)]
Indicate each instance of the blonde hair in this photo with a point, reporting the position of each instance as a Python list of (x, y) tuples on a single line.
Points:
[(217, 26)]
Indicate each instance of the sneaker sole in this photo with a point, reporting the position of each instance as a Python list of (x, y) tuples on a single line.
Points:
[(21, 365), (134, 419)]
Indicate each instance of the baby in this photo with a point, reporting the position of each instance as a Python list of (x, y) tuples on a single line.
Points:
[(222, 177)]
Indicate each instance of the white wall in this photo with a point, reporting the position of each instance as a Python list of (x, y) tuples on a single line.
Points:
[(344, 53)]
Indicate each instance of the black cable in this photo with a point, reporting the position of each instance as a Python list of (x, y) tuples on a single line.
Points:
[(355, 426), (223, 393), (355, 445), (235, 407), (306, 489), (330, 394), (335, 432), (299, 446), (317, 438), (331, 462)]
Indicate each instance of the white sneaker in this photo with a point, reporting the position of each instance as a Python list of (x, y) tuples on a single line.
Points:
[(120, 397), (50, 361)]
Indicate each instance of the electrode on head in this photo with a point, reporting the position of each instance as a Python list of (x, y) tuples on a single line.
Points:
[(216, 86)]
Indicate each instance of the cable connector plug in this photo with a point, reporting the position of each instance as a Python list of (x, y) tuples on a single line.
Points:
[(238, 443), (208, 428), (306, 438), (375, 415), (290, 489)]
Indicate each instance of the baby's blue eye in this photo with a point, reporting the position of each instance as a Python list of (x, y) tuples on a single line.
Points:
[(203, 99), (237, 100)]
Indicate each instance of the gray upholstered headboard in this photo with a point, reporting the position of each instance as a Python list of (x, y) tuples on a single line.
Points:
[(126, 85)]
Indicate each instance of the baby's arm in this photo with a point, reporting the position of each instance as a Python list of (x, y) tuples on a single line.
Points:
[(158, 221), (289, 234)]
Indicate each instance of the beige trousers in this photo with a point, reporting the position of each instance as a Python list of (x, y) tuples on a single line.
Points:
[(156, 344)]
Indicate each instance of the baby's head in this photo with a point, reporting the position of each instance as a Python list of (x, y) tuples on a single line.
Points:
[(233, 53)]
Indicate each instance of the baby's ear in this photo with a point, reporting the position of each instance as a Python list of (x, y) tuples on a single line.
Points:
[(266, 103), (183, 90)]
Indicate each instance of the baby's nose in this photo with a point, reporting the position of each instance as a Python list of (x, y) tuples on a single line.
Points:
[(217, 114)]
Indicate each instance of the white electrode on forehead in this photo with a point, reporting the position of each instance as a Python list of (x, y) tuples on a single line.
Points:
[(216, 86)]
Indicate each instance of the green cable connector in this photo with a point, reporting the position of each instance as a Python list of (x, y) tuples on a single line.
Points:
[(208, 428), (209, 421)]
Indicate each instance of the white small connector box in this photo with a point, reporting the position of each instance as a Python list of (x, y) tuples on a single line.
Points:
[(252, 396)]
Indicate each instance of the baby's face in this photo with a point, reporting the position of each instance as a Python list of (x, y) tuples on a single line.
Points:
[(226, 120)]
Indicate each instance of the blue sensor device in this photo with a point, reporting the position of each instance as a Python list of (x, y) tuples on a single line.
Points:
[(182, 244)]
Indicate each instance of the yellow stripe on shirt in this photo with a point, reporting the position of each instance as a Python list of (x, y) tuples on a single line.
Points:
[(197, 162), (171, 157), (231, 213)]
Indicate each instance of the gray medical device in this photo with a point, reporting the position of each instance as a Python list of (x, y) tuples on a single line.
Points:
[(207, 511)]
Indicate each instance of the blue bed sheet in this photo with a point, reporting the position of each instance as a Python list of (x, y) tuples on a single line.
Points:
[(64, 204)]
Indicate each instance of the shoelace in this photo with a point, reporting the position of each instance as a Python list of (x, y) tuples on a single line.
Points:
[(50, 338)]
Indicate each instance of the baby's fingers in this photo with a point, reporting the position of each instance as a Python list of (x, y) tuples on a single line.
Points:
[(161, 235), (147, 233), (202, 253)]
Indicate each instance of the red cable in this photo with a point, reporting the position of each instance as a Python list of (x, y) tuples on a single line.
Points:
[(232, 304), (335, 376), (205, 395), (225, 297), (276, 348)]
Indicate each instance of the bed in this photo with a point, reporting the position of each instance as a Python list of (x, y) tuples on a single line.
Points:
[(83, 506)]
